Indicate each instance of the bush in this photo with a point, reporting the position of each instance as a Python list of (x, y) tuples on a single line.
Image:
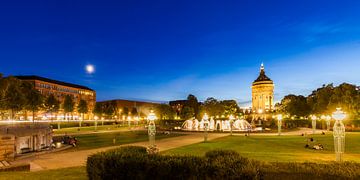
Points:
[(135, 163)]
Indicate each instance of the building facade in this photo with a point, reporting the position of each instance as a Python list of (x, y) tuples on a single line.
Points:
[(60, 89), (23, 138), (262, 94)]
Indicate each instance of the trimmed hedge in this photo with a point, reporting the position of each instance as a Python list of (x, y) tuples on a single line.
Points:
[(133, 162)]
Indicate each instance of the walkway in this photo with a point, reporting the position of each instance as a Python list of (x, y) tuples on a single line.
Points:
[(78, 158)]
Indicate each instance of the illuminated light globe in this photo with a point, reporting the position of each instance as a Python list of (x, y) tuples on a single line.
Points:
[(279, 118), (152, 149), (339, 133), (206, 126)]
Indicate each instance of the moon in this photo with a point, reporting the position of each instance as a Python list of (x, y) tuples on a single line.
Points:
[(90, 69)]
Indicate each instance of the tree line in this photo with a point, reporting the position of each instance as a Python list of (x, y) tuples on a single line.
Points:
[(213, 107), (21, 96), (323, 101), (191, 108)]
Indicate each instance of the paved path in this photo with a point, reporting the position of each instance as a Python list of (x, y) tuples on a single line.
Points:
[(78, 158)]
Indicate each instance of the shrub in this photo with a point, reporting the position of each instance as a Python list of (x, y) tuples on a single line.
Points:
[(135, 163)]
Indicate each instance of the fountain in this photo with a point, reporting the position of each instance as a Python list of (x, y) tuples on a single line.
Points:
[(222, 125)]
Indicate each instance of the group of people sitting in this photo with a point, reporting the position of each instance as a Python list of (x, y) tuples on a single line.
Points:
[(316, 146)]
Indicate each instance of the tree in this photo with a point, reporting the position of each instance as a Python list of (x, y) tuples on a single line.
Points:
[(98, 109), (34, 99), (320, 98), (109, 109), (213, 107), (187, 112), (14, 97), (165, 111), (125, 111), (52, 105), (193, 102), (346, 97), (230, 107), (134, 111), (82, 109), (68, 105), (295, 105)]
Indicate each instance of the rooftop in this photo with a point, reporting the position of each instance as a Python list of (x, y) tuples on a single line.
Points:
[(33, 77)]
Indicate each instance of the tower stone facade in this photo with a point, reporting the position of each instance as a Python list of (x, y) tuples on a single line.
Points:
[(262, 93)]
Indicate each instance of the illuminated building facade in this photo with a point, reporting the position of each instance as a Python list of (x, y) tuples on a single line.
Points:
[(60, 89), (262, 94)]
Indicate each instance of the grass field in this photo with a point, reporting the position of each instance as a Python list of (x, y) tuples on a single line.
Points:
[(97, 140), (87, 129), (78, 173), (275, 148)]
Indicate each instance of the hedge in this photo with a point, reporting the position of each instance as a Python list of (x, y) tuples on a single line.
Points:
[(133, 162)]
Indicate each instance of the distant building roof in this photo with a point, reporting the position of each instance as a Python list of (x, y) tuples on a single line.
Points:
[(126, 102), (262, 77), (32, 77)]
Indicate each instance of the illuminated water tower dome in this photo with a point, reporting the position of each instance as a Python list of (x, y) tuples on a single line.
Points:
[(262, 94)]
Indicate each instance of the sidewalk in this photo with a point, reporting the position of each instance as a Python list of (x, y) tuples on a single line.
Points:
[(78, 158)]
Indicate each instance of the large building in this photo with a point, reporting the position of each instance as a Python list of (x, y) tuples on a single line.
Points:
[(60, 89), (262, 93)]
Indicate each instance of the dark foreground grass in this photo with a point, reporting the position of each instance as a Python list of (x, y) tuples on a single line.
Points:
[(78, 173), (277, 148)]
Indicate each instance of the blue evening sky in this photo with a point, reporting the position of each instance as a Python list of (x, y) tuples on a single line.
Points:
[(164, 50)]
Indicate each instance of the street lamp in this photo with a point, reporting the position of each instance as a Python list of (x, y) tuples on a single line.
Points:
[(151, 128), (328, 118), (313, 118), (129, 119), (231, 120), (96, 119), (206, 126), (339, 133), (279, 118)]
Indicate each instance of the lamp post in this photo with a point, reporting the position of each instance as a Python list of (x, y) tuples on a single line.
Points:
[(313, 118), (339, 133), (328, 118), (206, 126), (129, 121), (279, 118), (231, 120), (96, 118), (151, 128)]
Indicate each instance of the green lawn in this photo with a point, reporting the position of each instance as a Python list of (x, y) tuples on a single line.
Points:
[(66, 174), (90, 141), (275, 148), (87, 129)]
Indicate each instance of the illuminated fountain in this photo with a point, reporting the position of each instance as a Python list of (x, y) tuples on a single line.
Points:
[(222, 125)]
